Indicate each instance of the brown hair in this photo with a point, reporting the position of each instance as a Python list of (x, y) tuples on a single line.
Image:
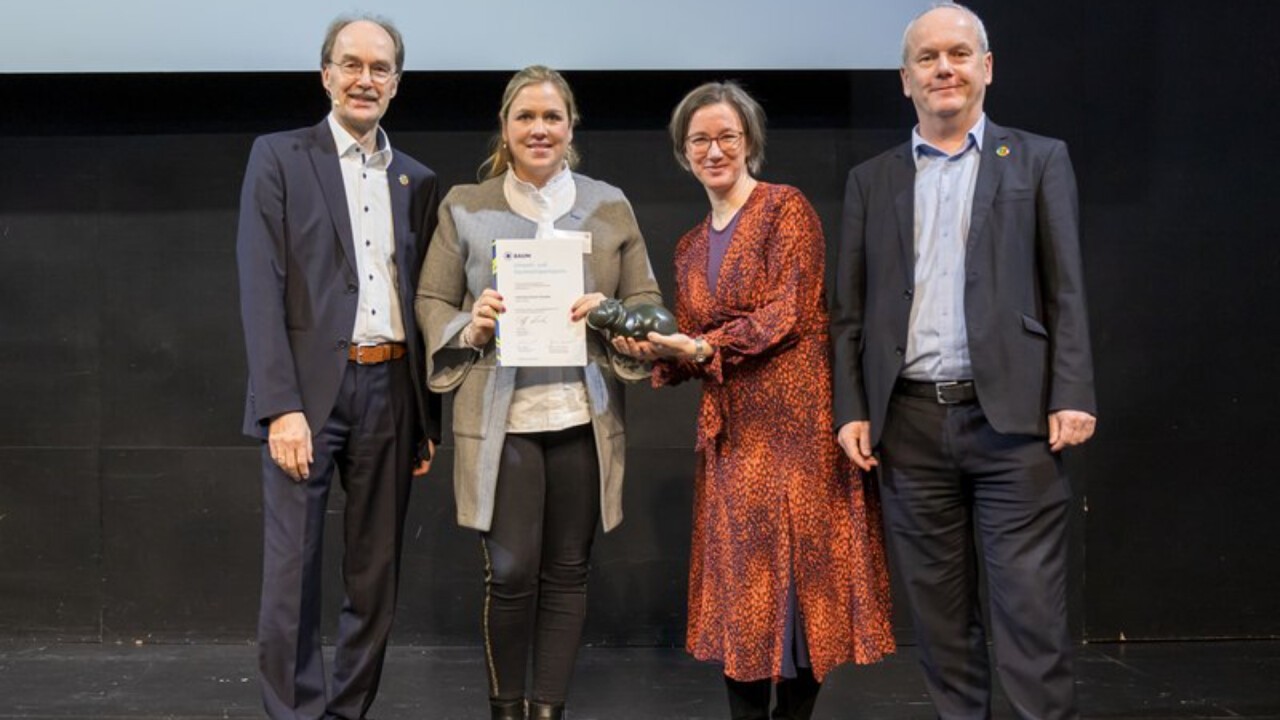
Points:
[(733, 95)]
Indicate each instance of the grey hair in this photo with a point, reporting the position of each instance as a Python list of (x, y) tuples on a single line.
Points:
[(340, 22), (983, 45)]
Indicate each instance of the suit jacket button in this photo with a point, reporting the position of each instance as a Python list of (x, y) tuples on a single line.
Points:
[(342, 344), (351, 288), (899, 351), (908, 294)]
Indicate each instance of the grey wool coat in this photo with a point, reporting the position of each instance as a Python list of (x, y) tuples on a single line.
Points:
[(458, 268)]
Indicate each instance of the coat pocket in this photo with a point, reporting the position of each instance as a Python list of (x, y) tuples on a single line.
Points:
[(1034, 327), (1015, 194)]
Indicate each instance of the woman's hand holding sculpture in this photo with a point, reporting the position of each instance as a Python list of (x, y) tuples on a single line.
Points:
[(678, 346), (584, 306), (675, 346)]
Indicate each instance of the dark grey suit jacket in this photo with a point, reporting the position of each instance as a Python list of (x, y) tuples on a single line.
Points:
[(1024, 292), (298, 280)]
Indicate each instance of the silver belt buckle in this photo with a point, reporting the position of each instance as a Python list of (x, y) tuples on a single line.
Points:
[(360, 352), (940, 390)]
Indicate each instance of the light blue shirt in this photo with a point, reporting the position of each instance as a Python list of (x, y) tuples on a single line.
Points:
[(937, 341)]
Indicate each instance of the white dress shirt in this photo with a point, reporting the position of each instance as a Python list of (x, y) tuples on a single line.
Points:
[(364, 177), (545, 399), (542, 205)]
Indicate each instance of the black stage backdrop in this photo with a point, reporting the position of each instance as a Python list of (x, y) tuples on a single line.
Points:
[(129, 504)]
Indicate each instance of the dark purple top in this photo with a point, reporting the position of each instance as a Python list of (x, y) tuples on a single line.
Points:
[(717, 244)]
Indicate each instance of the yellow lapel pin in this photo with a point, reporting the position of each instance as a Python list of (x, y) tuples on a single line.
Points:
[(1002, 151), (404, 179)]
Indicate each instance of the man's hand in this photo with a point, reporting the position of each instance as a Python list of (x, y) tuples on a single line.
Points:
[(855, 440), (289, 439), (1069, 427), (424, 465)]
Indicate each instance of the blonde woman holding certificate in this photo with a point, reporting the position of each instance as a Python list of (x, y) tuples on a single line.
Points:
[(538, 450)]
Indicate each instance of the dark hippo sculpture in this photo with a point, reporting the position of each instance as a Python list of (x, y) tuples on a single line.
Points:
[(633, 322)]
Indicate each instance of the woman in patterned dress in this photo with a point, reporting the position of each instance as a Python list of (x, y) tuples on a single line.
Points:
[(787, 574)]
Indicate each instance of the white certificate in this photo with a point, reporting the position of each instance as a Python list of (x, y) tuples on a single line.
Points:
[(539, 280)]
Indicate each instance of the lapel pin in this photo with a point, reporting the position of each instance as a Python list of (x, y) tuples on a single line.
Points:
[(1002, 151), (404, 179)]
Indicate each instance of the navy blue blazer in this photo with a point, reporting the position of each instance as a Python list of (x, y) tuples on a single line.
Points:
[(298, 279), (1024, 299)]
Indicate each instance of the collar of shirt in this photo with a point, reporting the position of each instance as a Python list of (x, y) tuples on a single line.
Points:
[(348, 146), (541, 205), (921, 147)]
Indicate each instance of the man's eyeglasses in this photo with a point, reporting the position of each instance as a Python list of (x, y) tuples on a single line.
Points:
[(700, 144), (378, 72)]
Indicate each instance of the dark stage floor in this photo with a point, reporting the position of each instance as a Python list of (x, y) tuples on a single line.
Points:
[(1150, 680)]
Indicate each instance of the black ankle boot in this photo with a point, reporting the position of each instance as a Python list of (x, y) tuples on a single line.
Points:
[(797, 696), (507, 709), (748, 700), (546, 711)]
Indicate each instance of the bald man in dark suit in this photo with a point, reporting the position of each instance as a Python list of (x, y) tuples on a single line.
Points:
[(962, 370)]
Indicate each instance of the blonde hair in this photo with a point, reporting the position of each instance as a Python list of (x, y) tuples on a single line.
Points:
[(499, 154)]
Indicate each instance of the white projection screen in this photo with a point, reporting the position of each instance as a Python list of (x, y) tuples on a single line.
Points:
[(149, 36)]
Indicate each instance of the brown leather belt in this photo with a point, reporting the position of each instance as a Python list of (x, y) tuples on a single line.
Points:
[(375, 354), (944, 393)]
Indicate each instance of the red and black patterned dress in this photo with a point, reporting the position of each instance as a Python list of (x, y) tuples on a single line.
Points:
[(775, 502)]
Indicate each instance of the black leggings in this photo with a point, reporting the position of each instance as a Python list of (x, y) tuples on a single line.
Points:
[(536, 559)]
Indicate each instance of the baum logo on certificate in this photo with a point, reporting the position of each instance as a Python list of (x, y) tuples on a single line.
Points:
[(539, 280)]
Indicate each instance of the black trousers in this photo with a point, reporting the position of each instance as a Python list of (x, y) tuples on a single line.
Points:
[(367, 441), (946, 473), (536, 555)]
